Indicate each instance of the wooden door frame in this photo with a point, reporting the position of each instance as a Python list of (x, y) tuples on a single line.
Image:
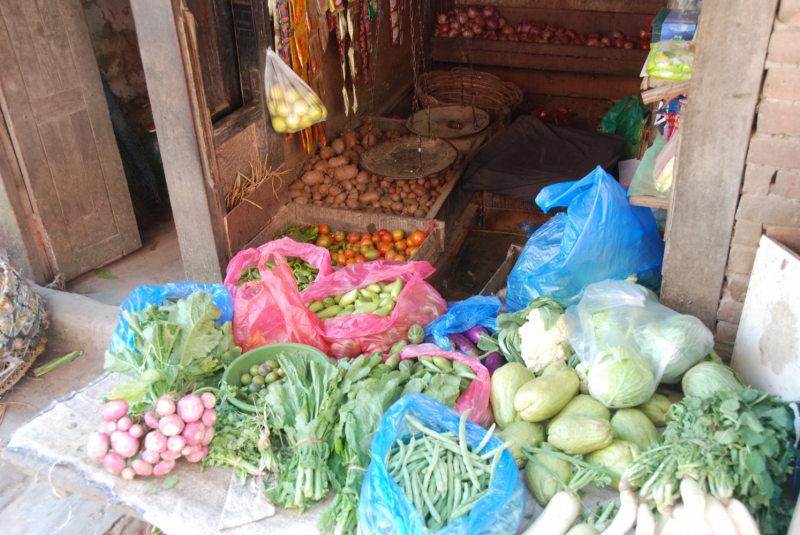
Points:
[(715, 135)]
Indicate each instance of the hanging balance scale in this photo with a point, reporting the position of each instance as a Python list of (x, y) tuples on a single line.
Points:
[(414, 156)]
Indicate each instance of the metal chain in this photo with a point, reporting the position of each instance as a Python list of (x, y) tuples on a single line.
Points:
[(377, 44), (423, 25), (415, 105)]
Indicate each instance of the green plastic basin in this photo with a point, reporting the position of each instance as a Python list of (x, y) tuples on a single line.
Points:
[(258, 356)]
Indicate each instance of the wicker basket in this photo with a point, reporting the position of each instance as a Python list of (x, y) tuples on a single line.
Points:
[(457, 87), (23, 322)]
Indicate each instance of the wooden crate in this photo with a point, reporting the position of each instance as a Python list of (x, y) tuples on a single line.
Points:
[(505, 214), (354, 221), (500, 277)]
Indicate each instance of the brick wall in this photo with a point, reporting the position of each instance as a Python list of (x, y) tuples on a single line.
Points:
[(770, 199)]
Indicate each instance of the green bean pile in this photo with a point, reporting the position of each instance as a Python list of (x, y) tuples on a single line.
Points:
[(304, 273), (439, 473)]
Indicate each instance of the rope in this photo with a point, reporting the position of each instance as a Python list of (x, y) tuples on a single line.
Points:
[(307, 440)]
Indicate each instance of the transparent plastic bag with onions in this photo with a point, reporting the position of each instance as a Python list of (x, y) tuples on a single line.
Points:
[(139, 446)]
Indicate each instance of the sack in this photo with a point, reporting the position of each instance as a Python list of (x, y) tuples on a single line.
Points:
[(626, 118), (292, 104), (145, 296), (462, 316), (383, 507), (476, 396), (319, 257), (600, 237), (272, 310), (618, 320)]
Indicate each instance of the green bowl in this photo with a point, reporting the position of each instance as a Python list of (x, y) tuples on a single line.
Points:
[(258, 356)]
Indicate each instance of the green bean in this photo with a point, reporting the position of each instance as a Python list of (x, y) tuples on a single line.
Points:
[(502, 447), (431, 467), (485, 440), (494, 466), (417, 499), (429, 503), (407, 482), (462, 432)]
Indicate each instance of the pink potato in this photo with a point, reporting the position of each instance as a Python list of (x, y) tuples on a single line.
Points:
[(163, 468), (108, 428), (150, 456), (176, 443), (124, 423), (197, 456), (142, 468), (155, 441), (136, 431), (151, 420), (190, 408), (165, 406), (209, 400), (208, 436), (191, 450), (170, 455), (209, 417), (171, 425), (97, 447), (114, 410), (114, 463), (128, 473), (124, 444), (194, 433)]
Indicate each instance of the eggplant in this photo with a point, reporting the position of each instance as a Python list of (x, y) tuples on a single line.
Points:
[(464, 345), (474, 334), (494, 361)]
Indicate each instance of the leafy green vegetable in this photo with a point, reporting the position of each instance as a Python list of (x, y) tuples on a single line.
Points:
[(179, 346), (710, 378), (104, 274), (169, 482)]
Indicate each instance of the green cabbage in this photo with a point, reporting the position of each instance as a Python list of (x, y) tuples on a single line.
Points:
[(620, 378), (680, 341), (708, 379)]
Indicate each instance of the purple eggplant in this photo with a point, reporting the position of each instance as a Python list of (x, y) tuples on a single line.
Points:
[(474, 334), (464, 345), (494, 361)]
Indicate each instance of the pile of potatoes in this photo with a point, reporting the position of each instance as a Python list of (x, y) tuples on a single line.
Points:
[(334, 178)]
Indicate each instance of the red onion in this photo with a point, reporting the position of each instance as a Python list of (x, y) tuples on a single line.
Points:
[(550, 28), (479, 20), (578, 41), (605, 41), (502, 21), (488, 11), (491, 23), (541, 40), (616, 34), (525, 37), (508, 30), (443, 28), (514, 37), (565, 39), (644, 34), (468, 34), (560, 29), (546, 35), (535, 31), (629, 44), (477, 29), (524, 28), (462, 18), (472, 12), (453, 33), (570, 33), (491, 36), (644, 45), (454, 25), (441, 18), (502, 37), (453, 12), (592, 41), (619, 43), (595, 36), (539, 25)]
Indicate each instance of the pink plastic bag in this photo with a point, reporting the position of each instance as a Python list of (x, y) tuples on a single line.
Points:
[(319, 257), (418, 303), (269, 311), (476, 396)]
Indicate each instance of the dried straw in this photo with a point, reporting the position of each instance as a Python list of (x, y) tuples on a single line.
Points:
[(244, 185)]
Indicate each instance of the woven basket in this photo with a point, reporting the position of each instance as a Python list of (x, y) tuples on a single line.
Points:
[(23, 321), (457, 87)]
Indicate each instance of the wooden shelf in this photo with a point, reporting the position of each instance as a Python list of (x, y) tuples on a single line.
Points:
[(650, 202), (668, 92), (540, 56)]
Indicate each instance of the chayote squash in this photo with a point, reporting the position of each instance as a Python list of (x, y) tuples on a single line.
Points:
[(583, 404), (542, 485), (656, 408), (615, 458), (522, 435), (544, 397), (505, 382), (632, 425), (415, 334), (577, 434)]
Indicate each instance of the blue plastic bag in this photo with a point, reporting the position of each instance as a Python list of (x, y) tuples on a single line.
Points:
[(384, 508), (462, 316), (600, 237), (144, 296)]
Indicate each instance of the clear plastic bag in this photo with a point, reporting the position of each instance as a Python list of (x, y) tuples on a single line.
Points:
[(600, 237), (671, 60), (632, 342), (383, 507), (145, 296), (476, 396), (462, 316), (292, 104)]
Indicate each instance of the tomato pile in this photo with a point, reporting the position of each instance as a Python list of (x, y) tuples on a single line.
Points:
[(353, 248)]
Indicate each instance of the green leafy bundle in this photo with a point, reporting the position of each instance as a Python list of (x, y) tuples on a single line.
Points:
[(179, 347), (735, 444)]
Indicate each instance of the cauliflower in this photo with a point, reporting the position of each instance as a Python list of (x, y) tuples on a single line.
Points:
[(583, 375), (539, 346)]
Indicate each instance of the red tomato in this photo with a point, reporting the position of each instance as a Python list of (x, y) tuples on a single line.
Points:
[(409, 242), (382, 231), (418, 237), (366, 243), (353, 237), (397, 235), (366, 236), (391, 255), (376, 239), (323, 229), (349, 253), (338, 236), (360, 258), (383, 248), (356, 249), (387, 238), (400, 246), (400, 257), (350, 261), (341, 259), (412, 251), (324, 241)]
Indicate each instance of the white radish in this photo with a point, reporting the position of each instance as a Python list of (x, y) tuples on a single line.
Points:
[(151, 420), (194, 433), (124, 444), (740, 515), (142, 468), (97, 447), (645, 522), (198, 455), (717, 517), (191, 450), (136, 431), (171, 425), (583, 529), (208, 436), (114, 410), (694, 501), (209, 400), (170, 455), (151, 457), (662, 522), (124, 423), (626, 515), (190, 408), (176, 443), (155, 441), (165, 406), (114, 463), (108, 427), (557, 517), (209, 417), (128, 473), (671, 527)]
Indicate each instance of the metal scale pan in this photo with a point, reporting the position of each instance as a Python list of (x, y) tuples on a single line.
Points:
[(399, 158), (448, 122)]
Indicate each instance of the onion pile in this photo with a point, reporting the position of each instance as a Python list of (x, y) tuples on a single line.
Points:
[(334, 178), (486, 23)]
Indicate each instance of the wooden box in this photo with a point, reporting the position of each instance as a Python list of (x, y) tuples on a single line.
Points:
[(500, 277), (354, 221)]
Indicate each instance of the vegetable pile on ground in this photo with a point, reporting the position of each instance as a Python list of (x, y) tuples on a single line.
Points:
[(304, 273), (486, 23), (378, 298), (333, 178)]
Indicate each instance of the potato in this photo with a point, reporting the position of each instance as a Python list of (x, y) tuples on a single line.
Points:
[(370, 208), (327, 180), (420, 191), (312, 177), (338, 146), (385, 182), (359, 149), (350, 139), (385, 201), (361, 187), (421, 212), (338, 161), (307, 166), (412, 195), (301, 200), (326, 153), (345, 172), (369, 198), (375, 131), (321, 165), (317, 196), (297, 184), (395, 196), (317, 203), (346, 184), (377, 205), (323, 188), (314, 159), (362, 177), (425, 197), (306, 194), (306, 188), (340, 198), (353, 204), (369, 141), (449, 175), (335, 190), (434, 182), (372, 187), (406, 188), (397, 207), (419, 181), (295, 193), (353, 156)]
